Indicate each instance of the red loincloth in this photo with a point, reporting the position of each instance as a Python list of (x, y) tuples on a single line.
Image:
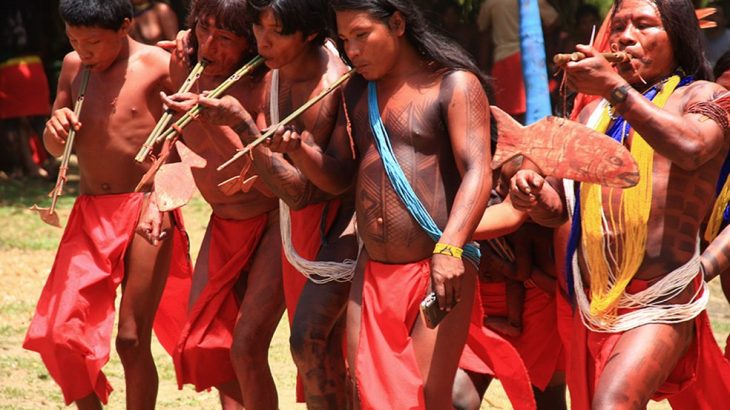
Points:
[(539, 345), (202, 356), (306, 238), (387, 374), (23, 88), (72, 324), (700, 380), (509, 93), (564, 314)]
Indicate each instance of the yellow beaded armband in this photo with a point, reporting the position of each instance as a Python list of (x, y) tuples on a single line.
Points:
[(446, 249)]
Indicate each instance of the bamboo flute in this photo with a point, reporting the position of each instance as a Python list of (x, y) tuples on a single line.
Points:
[(167, 115), (183, 121), (49, 215), (617, 57), (287, 120)]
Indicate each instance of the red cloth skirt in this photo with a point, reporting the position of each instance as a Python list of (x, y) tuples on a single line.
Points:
[(202, 356), (539, 345), (509, 86), (387, 374), (488, 352), (306, 237), (72, 324), (701, 379), (23, 88)]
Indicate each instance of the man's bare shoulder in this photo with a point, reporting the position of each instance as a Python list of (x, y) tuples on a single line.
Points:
[(460, 79), (696, 92), (152, 57), (335, 69)]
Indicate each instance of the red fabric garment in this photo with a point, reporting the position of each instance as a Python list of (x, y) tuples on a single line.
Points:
[(509, 86), (564, 315), (306, 237), (487, 352), (72, 324), (387, 374), (208, 333), (700, 380), (539, 344), (727, 348), (23, 88)]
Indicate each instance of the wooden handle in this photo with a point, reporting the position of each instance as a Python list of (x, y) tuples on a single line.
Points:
[(617, 57)]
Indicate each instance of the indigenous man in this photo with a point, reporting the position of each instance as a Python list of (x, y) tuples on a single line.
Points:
[(72, 325), (237, 299), (642, 331), (423, 91), (290, 35)]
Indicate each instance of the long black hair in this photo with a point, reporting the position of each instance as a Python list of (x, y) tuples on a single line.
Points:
[(680, 23), (306, 16), (428, 41)]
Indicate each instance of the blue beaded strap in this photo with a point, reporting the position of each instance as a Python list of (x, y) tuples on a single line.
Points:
[(399, 181)]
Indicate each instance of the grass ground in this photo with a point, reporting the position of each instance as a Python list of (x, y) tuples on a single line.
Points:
[(27, 248)]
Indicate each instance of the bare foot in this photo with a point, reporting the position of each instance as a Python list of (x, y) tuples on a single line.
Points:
[(503, 326)]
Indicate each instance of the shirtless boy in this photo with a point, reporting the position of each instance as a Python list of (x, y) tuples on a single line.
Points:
[(100, 250)]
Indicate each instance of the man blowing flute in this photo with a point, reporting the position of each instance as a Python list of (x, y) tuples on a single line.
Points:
[(642, 331)]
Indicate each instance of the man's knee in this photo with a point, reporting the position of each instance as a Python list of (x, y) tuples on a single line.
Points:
[(306, 343), (248, 348), (617, 399)]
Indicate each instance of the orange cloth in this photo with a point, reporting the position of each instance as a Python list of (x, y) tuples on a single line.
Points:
[(509, 86), (306, 237), (539, 345), (72, 324), (700, 380), (387, 374), (208, 334), (23, 88)]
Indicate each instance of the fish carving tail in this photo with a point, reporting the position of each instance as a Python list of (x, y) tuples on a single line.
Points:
[(510, 137)]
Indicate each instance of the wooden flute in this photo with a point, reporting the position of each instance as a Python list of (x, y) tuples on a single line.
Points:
[(217, 92), (616, 57), (167, 115), (49, 215), (287, 120)]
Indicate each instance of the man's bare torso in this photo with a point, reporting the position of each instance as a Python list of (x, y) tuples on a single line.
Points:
[(121, 109), (680, 201), (413, 116), (217, 144)]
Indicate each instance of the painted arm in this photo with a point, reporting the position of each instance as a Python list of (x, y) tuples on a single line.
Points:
[(715, 259), (467, 116), (686, 140), (282, 176)]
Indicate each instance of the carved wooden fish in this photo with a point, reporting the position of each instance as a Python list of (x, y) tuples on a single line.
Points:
[(565, 149), (174, 183)]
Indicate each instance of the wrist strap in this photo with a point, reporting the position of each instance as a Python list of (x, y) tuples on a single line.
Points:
[(446, 249)]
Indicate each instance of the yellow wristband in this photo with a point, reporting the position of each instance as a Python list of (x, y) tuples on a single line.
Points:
[(446, 249)]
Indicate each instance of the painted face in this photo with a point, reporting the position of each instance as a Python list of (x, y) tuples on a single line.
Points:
[(278, 49), (637, 29), (223, 49), (97, 47), (369, 43)]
